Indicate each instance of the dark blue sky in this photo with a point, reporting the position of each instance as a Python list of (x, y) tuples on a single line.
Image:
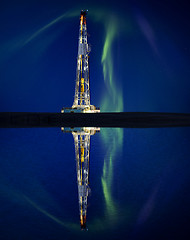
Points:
[(147, 56), (144, 48)]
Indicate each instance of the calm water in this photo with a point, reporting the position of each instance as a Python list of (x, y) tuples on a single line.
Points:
[(139, 181)]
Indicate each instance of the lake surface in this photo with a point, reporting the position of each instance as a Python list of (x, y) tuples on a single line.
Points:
[(139, 181)]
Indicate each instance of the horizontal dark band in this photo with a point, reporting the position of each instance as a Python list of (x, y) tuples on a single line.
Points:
[(121, 120)]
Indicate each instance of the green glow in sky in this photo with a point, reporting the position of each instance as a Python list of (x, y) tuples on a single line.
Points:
[(112, 101), (48, 25)]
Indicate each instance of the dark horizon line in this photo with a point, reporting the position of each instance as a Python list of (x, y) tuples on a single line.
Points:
[(102, 119)]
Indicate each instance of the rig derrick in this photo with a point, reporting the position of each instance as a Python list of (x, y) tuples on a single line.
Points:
[(81, 102)]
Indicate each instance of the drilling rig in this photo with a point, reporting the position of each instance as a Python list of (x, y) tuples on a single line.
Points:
[(81, 102), (82, 135)]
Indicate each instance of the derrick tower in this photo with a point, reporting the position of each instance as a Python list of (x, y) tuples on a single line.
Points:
[(82, 87)]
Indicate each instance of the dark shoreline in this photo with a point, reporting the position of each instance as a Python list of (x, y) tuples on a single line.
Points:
[(121, 120)]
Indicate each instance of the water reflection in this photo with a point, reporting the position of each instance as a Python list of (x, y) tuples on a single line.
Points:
[(82, 151), (143, 190), (113, 142)]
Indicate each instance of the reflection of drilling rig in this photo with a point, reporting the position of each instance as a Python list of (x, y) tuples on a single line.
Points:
[(82, 135), (82, 151), (82, 88)]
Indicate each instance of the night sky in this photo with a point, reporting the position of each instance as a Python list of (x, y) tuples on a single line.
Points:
[(143, 47), (139, 62)]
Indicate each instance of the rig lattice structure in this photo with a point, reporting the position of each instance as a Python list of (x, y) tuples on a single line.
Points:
[(82, 87)]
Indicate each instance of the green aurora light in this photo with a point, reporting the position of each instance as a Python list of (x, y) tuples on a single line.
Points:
[(111, 102)]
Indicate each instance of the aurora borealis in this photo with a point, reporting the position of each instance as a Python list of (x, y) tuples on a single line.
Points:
[(139, 58), (139, 63)]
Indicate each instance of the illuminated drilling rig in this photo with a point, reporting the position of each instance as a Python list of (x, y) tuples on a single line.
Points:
[(82, 87), (82, 135)]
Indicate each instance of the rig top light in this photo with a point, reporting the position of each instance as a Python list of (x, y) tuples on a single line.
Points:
[(84, 12)]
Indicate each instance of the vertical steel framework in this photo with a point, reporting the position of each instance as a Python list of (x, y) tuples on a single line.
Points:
[(82, 150), (81, 102), (82, 153), (82, 87)]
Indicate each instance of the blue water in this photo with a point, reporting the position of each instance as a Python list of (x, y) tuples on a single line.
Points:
[(147, 174)]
